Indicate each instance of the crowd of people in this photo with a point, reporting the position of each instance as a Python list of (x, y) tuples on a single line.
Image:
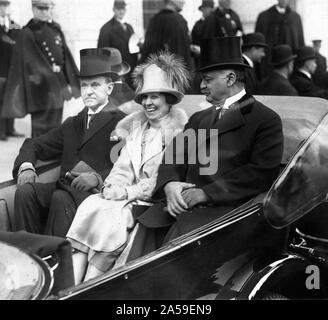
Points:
[(124, 172)]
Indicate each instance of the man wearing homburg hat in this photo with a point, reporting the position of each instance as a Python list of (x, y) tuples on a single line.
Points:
[(43, 73), (243, 139), (253, 51), (83, 143), (9, 32), (302, 77), (278, 84)]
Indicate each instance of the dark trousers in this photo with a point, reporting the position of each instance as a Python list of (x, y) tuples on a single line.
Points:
[(44, 121), (42, 209), (6, 127)]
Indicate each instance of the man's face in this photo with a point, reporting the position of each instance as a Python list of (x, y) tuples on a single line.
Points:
[(95, 91), (179, 4), (290, 67), (283, 3), (310, 65), (206, 11), (119, 13), (215, 85), (258, 54), (225, 4), (42, 13), (4, 9)]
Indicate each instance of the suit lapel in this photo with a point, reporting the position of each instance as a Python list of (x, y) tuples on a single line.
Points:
[(102, 118), (80, 124)]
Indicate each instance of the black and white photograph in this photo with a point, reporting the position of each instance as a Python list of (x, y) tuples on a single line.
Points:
[(163, 150)]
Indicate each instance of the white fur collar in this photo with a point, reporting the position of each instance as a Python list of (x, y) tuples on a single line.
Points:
[(174, 121)]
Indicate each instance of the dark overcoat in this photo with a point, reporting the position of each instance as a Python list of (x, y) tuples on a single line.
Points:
[(168, 30), (306, 87), (276, 85), (320, 77), (247, 147), (221, 23), (281, 28), (251, 81), (112, 34), (32, 85), (72, 143)]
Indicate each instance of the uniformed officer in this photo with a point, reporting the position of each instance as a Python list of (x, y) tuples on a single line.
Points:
[(44, 73), (9, 31)]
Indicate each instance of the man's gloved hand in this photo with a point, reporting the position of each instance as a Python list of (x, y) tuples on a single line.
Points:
[(194, 197), (26, 176), (84, 181), (115, 193), (175, 203)]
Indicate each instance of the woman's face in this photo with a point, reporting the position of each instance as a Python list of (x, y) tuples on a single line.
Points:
[(155, 106)]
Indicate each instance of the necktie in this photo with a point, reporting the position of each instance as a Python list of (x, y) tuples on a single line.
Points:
[(90, 120)]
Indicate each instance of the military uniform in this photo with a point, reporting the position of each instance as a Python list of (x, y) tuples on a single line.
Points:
[(43, 75)]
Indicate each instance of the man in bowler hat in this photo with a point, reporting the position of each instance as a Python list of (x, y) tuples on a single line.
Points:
[(278, 84), (302, 78), (82, 143), (243, 138), (253, 51)]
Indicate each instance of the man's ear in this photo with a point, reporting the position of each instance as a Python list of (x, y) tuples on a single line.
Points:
[(231, 79), (110, 87)]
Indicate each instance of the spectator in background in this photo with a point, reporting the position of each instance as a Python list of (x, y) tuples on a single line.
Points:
[(43, 73), (302, 79), (279, 25), (253, 48), (278, 84), (116, 33), (206, 8), (9, 31), (168, 30), (320, 77), (222, 22)]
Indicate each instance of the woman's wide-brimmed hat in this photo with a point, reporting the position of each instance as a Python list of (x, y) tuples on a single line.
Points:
[(221, 53), (163, 73), (102, 62)]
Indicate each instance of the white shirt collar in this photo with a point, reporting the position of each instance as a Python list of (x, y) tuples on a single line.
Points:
[(91, 112), (250, 62), (231, 100), (5, 21), (308, 74), (281, 10)]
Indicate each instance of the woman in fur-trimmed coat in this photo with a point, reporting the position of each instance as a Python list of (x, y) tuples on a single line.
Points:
[(100, 229)]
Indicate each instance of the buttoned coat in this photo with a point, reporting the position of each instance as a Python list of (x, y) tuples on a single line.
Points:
[(32, 85), (247, 148)]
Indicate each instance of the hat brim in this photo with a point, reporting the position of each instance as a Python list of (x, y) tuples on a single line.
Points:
[(175, 93), (282, 62), (306, 58), (255, 44), (220, 66), (123, 69)]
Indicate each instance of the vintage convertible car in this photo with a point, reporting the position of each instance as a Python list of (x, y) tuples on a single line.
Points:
[(258, 251)]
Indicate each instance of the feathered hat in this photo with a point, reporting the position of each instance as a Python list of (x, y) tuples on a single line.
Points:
[(162, 72)]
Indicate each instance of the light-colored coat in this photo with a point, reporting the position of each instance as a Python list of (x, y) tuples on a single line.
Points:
[(102, 225)]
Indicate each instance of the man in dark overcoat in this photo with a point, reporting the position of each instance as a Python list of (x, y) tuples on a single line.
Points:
[(83, 144), (116, 33), (253, 48), (302, 78), (9, 31), (168, 30), (278, 84), (43, 73), (242, 139), (222, 22), (280, 25)]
